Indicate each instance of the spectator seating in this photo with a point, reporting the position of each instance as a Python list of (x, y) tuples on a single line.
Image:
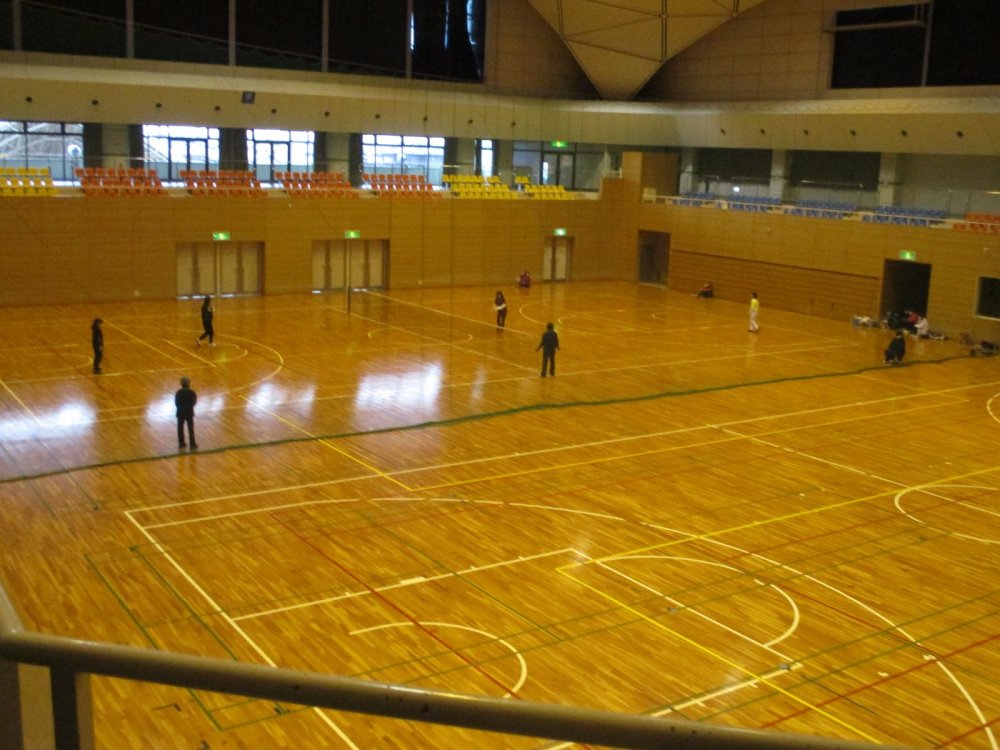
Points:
[(546, 192), (477, 187), (822, 209), (26, 182), (695, 200), (113, 181), (914, 217), (222, 183), (316, 184), (399, 185), (752, 203), (979, 222)]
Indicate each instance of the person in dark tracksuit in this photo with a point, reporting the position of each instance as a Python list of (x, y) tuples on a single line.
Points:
[(184, 400), (207, 318), (549, 346), (500, 305), (97, 341)]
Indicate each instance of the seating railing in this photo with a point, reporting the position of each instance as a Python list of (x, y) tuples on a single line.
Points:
[(70, 661)]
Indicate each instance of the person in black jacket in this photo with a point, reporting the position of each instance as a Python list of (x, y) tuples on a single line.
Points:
[(500, 305), (897, 349), (549, 346), (97, 341), (184, 400), (207, 317)]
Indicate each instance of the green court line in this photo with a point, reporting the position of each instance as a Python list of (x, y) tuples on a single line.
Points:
[(452, 421)]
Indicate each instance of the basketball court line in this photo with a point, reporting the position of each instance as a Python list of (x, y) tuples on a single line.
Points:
[(732, 631), (408, 583), (236, 627), (329, 444), (702, 699), (712, 653), (591, 444)]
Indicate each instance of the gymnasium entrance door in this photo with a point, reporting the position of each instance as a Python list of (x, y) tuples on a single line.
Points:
[(219, 268), (905, 286), (358, 264), (654, 257), (555, 259)]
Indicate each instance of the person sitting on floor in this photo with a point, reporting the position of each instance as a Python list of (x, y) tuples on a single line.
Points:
[(707, 291), (897, 349)]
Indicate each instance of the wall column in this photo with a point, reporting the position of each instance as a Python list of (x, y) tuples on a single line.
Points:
[(688, 181), (888, 180), (779, 175)]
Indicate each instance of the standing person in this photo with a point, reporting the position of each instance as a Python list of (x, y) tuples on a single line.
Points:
[(897, 349), (97, 341), (184, 400), (549, 346), (524, 280), (207, 317), (754, 309), (500, 305)]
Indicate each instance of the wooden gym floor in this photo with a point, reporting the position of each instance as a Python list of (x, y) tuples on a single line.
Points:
[(767, 530)]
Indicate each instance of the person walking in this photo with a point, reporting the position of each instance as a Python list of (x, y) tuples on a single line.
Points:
[(97, 341), (184, 400), (207, 322), (500, 305), (549, 346), (754, 309)]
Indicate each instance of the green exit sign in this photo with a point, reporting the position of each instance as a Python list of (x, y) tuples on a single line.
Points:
[(907, 255), (352, 234), (559, 231), (220, 236), (558, 144)]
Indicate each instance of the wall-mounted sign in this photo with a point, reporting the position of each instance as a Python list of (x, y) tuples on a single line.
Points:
[(352, 234), (907, 255), (220, 236), (559, 231)]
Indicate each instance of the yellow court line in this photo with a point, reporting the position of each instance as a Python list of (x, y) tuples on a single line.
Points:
[(753, 524), (20, 402), (144, 343), (786, 517), (328, 444), (719, 657), (654, 451)]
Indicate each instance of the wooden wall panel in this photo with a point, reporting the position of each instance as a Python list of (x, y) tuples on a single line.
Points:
[(838, 250)]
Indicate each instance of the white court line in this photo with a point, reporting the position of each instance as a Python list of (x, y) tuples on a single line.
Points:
[(476, 321), (232, 623), (21, 403), (954, 679), (405, 584), (577, 446), (687, 608)]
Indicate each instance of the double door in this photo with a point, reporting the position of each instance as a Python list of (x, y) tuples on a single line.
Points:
[(555, 258), (219, 268), (356, 264)]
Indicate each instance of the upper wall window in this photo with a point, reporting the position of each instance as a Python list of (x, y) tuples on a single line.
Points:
[(57, 146), (171, 149), (270, 151), (403, 154), (939, 43)]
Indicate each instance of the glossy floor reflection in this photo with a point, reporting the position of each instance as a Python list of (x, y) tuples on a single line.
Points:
[(767, 530)]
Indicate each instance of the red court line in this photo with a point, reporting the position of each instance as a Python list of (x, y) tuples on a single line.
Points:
[(963, 735), (385, 600), (878, 682)]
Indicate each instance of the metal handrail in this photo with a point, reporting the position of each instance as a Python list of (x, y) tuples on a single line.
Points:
[(385, 699)]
